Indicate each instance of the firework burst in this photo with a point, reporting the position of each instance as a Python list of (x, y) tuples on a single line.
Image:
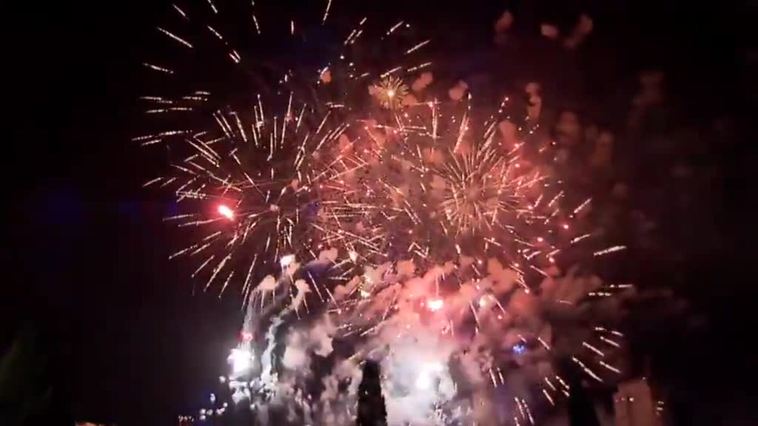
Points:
[(439, 187), (390, 92), (259, 146), (257, 189), (447, 240), (458, 282)]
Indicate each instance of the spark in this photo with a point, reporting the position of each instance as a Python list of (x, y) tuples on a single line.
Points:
[(152, 181), (593, 349), (581, 207), (548, 397), (417, 47), (609, 250), (393, 28), (586, 369), (549, 383), (620, 286), (157, 68), (180, 11), (610, 367), (202, 265), (214, 32), (212, 5), (326, 11), (257, 27), (175, 37), (419, 67)]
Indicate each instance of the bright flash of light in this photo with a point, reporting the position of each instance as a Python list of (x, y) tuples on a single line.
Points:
[(241, 360), (435, 367), (286, 260), (226, 211), (429, 371), (423, 381), (484, 301), (435, 304), (519, 348)]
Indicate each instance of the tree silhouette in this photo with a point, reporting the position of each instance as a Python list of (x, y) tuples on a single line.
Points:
[(581, 410), (371, 409)]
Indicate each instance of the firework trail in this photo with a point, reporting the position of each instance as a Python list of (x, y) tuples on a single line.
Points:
[(352, 206)]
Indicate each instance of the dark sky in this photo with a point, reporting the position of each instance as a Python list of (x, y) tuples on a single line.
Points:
[(86, 254)]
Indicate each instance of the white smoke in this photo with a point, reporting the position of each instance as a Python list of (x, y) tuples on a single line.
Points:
[(440, 362)]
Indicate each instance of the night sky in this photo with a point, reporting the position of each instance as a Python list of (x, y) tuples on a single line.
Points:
[(119, 333)]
